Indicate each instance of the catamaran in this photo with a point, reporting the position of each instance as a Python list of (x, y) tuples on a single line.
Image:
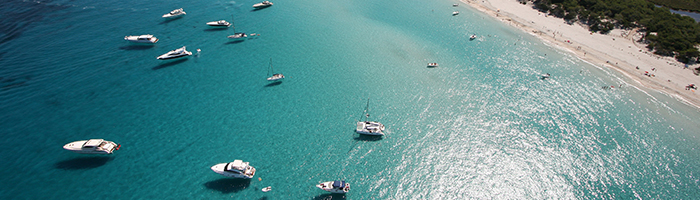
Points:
[(274, 77), (367, 127)]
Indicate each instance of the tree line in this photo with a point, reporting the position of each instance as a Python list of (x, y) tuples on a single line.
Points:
[(665, 33)]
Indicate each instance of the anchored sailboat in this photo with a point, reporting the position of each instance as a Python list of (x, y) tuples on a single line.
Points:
[(274, 76), (236, 36), (367, 127)]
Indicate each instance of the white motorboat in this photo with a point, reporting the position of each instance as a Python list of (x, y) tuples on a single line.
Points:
[(267, 189), (455, 13), (432, 64), (263, 4), (367, 127), (177, 53), (219, 23), (235, 169), (472, 37), (141, 39), (92, 146), (339, 187), (175, 13), (274, 76), (455, 5)]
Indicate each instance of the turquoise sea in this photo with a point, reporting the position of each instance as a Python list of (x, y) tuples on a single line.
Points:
[(482, 125)]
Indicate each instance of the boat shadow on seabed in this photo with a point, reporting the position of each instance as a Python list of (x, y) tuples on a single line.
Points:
[(276, 83), (329, 196), (136, 47), (171, 63), (367, 138), (228, 185), (83, 162)]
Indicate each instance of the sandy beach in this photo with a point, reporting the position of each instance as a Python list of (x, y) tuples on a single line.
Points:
[(616, 50)]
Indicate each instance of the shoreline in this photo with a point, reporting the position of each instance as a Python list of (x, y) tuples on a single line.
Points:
[(616, 50)]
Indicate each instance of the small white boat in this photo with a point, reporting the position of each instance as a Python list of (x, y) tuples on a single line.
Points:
[(175, 13), (141, 39), (219, 23), (432, 64), (274, 76), (267, 189), (263, 4), (339, 187), (177, 53), (455, 13), (237, 36), (455, 5), (92, 146), (235, 169), (472, 37), (367, 127)]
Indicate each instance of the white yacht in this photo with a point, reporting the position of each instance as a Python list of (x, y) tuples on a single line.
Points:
[(367, 127), (141, 39), (472, 37), (175, 13), (432, 64), (455, 13), (92, 146), (235, 169), (340, 187), (219, 23), (274, 76), (455, 5), (263, 4), (177, 53)]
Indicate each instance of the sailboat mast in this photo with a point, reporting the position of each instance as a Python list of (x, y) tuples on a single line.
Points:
[(233, 24), (269, 69)]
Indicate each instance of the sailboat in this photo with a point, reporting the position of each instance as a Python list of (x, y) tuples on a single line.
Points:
[(274, 77), (236, 36), (367, 127)]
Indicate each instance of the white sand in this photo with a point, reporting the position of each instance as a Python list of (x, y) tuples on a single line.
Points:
[(616, 50)]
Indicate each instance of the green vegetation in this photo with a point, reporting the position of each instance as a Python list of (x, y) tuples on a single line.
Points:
[(666, 33), (687, 5)]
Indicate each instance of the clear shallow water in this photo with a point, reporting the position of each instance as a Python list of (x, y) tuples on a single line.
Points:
[(482, 125)]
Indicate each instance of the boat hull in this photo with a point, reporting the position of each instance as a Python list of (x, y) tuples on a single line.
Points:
[(219, 169), (370, 128), (174, 57), (327, 186), (77, 147)]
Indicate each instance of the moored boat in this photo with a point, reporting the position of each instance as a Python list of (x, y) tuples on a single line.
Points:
[(235, 169), (367, 127), (274, 76), (92, 146), (177, 53), (455, 13), (220, 23), (175, 13), (150, 39), (338, 187), (263, 4), (432, 64)]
